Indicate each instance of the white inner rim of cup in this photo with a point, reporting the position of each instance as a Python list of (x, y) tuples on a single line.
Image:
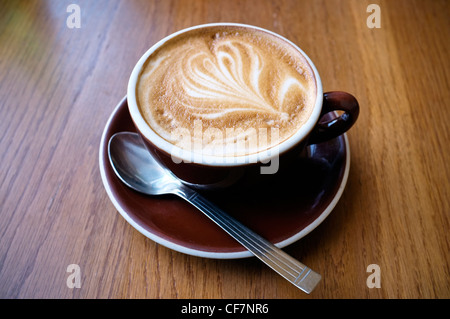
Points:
[(210, 160)]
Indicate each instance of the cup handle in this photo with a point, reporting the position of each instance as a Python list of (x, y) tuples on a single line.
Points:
[(335, 101)]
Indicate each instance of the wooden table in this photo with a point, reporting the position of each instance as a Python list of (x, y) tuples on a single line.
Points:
[(60, 83)]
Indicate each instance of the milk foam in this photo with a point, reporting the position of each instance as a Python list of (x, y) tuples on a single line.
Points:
[(235, 82)]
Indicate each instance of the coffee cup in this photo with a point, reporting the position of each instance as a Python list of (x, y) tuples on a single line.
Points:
[(214, 103)]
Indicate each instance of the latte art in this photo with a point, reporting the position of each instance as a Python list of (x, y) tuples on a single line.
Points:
[(221, 82), (231, 82)]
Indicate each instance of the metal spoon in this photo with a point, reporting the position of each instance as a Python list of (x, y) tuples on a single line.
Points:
[(137, 169)]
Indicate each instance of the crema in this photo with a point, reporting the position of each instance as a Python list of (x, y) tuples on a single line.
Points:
[(226, 91)]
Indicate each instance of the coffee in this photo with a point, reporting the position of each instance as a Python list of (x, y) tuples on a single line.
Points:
[(226, 90)]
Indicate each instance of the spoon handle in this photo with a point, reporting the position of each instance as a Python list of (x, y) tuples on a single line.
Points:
[(288, 267)]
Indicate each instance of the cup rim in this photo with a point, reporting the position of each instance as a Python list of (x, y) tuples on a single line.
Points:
[(213, 160)]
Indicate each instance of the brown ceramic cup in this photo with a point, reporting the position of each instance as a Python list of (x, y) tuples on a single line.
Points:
[(208, 172)]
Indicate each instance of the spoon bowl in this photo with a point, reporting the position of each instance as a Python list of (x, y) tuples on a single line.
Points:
[(134, 166)]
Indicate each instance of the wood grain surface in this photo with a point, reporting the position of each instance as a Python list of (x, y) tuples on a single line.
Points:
[(59, 85)]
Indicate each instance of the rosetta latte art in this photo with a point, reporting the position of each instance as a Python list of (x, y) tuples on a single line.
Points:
[(235, 84), (222, 82)]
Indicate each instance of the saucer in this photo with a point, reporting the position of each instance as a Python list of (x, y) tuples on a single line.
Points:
[(284, 211)]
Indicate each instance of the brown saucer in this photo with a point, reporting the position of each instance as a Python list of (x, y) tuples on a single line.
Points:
[(287, 209)]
